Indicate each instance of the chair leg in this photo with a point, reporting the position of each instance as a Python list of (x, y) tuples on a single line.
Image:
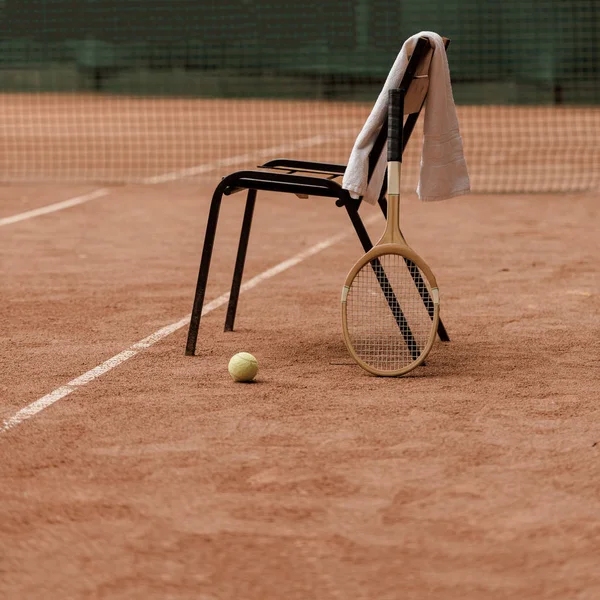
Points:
[(240, 261), (441, 330), (209, 240), (359, 227)]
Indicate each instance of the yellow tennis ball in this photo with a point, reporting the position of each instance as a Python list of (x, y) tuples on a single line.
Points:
[(243, 367)]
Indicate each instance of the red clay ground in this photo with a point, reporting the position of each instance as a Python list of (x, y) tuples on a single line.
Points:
[(476, 477)]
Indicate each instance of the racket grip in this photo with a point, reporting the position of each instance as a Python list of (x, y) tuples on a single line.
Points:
[(395, 118)]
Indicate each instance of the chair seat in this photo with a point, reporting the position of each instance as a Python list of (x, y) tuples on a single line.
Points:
[(304, 166)]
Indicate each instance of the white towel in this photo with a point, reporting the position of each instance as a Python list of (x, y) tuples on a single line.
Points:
[(443, 168)]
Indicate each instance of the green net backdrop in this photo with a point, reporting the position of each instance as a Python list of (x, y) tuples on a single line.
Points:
[(161, 90)]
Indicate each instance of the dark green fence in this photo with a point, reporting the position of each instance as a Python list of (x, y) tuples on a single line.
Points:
[(508, 52)]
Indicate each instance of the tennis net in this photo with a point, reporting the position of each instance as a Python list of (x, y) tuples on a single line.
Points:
[(149, 90)]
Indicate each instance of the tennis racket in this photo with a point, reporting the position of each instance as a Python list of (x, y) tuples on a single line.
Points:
[(390, 301)]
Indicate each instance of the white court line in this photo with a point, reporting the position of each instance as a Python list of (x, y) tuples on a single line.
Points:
[(49, 399), (172, 176), (50, 208)]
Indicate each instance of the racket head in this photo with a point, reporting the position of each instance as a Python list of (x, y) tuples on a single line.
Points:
[(389, 333)]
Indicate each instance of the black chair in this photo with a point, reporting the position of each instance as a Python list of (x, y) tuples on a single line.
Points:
[(305, 178)]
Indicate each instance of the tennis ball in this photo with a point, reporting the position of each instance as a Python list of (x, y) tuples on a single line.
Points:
[(243, 367)]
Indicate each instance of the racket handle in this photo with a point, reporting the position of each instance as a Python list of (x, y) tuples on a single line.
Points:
[(395, 118)]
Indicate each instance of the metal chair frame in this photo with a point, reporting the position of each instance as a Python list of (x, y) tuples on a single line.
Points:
[(302, 178)]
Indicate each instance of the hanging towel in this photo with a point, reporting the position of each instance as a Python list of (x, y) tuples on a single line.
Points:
[(443, 173)]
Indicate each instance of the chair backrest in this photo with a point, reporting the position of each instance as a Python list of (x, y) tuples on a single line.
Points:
[(416, 83)]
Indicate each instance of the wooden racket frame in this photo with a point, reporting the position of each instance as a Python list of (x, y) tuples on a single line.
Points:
[(393, 242), (408, 253)]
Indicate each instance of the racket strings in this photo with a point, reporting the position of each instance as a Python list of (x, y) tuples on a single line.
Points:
[(389, 313)]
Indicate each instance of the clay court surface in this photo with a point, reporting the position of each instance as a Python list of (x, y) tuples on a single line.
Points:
[(477, 476)]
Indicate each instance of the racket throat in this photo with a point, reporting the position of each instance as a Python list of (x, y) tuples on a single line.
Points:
[(392, 234)]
